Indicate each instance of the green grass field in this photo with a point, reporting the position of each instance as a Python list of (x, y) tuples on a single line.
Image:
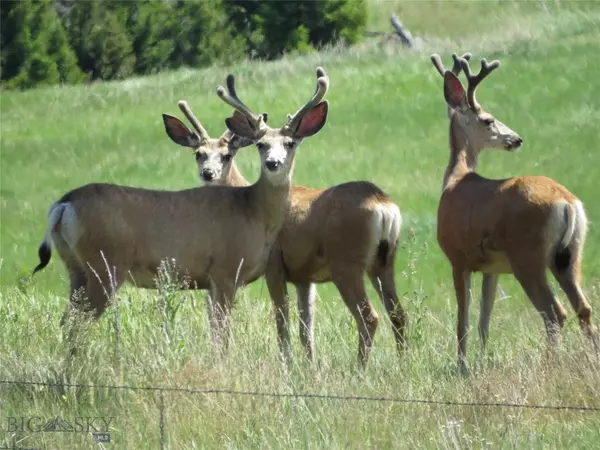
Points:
[(387, 124)]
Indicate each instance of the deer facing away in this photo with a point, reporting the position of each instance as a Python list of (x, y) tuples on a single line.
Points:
[(336, 234), (220, 237), (520, 225)]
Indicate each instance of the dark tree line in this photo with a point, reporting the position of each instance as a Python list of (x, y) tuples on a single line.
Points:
[(70, 41)]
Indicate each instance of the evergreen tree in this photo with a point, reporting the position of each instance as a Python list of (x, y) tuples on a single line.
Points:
[(61, 52), (202, 34), (16, 37), (100, 41), (6, 33), (63, 8), (272, 28), (52, 47), (62, 41), (151, 40), (110, 48), (39, 69), (79, 24), (245, 19), (284, 28), (37, 52), (337, 19)]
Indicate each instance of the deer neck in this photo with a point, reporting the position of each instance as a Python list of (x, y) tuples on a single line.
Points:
[(234, 177), (271, 201), (463, 157)]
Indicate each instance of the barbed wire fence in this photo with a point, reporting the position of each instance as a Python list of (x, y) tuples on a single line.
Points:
[(289, 395)]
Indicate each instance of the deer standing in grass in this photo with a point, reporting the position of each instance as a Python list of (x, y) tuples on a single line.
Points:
[(220, 237), (336, 234), (520, 225)]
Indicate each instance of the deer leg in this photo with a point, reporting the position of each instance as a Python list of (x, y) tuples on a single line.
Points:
[(222, 296), (488, 296), (352, 290), (532, 278), (462, 286), (77, 278), (383, 282), (78, 282), (276, 284), (210, 311), (101, 288), (91, 292), (104, 278), (569, 279), (306, 307)]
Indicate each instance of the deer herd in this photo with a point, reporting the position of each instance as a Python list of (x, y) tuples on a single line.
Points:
[(229, 233)]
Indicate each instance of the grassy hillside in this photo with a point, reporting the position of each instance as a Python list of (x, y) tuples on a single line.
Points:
[(387, 124)]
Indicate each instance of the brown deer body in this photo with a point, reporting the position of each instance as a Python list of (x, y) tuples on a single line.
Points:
[(220, 237), (337, 234), (519, 226)]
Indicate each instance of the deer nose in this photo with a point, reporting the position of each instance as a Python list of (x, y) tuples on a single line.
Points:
[(208, 174), (272, 164)]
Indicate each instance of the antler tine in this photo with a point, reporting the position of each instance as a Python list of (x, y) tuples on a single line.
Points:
[(185, 109), (457, 64), (322, 86), (474, 80), (437, 63), (320, 73), (230, 97)]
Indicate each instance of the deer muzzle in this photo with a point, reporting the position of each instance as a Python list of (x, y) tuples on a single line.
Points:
[(273, 164)]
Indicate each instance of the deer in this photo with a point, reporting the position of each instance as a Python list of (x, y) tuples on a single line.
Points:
[(521, 225), (220, 237), (214, 157), (337, 234)]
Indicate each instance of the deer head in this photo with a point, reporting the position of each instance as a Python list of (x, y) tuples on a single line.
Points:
[(481, 130), (277, 146), (214, 157)]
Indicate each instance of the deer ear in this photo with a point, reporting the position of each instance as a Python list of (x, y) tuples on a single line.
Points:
[(313, 121), (179, 133), (240, 126), (236, 142), (454, 92), (233, 141)]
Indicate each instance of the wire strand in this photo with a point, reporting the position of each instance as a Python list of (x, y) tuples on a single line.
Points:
[(308, 395)]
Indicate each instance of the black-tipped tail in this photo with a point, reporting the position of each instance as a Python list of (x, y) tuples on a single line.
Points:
[(45, 253), (383, 250), (562, 259)]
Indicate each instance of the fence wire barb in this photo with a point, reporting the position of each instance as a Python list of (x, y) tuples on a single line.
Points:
[(307, 395)]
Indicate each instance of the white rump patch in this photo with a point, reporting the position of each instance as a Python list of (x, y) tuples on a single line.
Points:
[(65, 214), (387, 223)]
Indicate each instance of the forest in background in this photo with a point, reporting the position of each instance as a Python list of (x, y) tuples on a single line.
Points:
[(45, 42)]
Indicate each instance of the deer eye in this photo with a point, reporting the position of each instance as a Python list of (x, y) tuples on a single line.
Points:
[(199, 156), (488, 121), (261, 146), (290, 145), (227, 157)]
